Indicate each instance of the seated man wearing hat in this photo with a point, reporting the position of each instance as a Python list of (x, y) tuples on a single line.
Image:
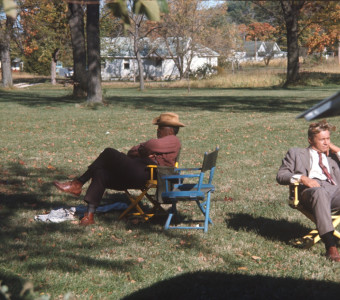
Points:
[(115, 170)]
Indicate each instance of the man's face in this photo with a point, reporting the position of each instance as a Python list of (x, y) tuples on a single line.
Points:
[(320, 142), (164, 131)]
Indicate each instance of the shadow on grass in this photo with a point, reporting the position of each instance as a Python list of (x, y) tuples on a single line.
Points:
[(256, 103), (280, 230), (217, 285)]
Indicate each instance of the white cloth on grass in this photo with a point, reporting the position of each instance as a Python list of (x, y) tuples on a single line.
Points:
[(68, 214)]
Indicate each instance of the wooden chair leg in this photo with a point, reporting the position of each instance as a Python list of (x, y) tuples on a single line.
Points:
[(134, 204)]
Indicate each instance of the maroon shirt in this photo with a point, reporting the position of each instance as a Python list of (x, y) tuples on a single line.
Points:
[(164, 150)]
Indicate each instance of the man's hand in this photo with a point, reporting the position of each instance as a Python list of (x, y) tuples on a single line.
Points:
[(333, 148), (309, 182)]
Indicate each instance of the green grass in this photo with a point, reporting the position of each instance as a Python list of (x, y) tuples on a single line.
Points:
[(46, 135)]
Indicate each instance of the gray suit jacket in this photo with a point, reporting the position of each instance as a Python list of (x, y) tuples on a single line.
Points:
[(297, 161)]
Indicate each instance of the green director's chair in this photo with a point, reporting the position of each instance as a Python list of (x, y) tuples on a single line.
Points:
[(198, 189), (313, 236)]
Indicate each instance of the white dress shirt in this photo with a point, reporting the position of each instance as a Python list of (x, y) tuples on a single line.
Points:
[(315, 169)]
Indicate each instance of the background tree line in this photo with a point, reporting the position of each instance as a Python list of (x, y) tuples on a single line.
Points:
[(45, 31)]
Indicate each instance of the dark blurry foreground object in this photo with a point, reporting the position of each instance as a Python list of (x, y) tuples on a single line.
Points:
[(326, 108)]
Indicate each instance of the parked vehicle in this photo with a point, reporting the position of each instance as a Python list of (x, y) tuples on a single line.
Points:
[(69, 73)]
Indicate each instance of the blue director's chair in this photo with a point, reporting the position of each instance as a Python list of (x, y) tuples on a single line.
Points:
[(198, 191)]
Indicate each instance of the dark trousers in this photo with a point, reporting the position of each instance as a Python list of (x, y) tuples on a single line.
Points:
[(115, 170)]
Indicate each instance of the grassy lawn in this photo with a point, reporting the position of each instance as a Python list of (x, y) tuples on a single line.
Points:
[(46, 135)]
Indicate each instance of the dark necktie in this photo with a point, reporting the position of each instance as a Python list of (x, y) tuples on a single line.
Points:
[(324, 169)]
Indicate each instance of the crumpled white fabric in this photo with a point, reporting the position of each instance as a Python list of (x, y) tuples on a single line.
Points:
[(56, 216), (67, 214)]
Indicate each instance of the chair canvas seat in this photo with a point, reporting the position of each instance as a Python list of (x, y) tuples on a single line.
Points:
[(189, 192), (155, 185), (313, 236)]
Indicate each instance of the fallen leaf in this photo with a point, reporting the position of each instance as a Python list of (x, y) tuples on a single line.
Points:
[(228, 198), (256, 258), (242, 268)]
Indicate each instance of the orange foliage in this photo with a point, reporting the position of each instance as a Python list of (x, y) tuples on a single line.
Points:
[(261, 31)]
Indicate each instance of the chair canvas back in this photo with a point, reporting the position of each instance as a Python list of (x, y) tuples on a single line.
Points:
[(209, 164)]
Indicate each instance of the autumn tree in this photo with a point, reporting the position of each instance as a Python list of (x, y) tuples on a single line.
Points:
[(321, 23), (45, 34), (181, 32), (260, 31), (299, 18), (219, 34)]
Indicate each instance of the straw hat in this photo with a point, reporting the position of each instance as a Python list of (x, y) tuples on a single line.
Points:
[(168, 119)]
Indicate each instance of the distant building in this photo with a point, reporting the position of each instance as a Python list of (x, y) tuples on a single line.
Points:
[(17, 65), (258, 51), (119, 60)]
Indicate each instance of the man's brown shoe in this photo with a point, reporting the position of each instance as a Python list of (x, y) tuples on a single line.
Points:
[(333, 254), (73, 187), (88, 219)]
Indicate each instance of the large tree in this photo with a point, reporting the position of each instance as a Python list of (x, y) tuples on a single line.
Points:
[(6, 26), (299, 19), (291, 12), (94, 89), (75, 14), (8, 12)]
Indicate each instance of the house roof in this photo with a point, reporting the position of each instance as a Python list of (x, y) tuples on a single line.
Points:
[(123, 47), (261, 47)]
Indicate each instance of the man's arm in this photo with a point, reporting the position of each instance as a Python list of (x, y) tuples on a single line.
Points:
[(287, 173), (134, 151)]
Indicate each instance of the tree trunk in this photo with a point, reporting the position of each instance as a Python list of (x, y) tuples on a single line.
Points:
[(76, 23), (137, 53), (54, 66), (291, 12), (94, 89), (5, 38), (137, 21), (140, 70)]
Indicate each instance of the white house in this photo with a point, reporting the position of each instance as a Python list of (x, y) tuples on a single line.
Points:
[(119, 61), (258, 51)]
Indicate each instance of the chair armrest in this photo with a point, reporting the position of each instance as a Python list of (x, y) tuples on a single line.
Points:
[(294, 195), (188, 169), (180, 176), (152, 171)]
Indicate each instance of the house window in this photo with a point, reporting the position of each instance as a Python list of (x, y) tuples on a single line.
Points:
[(158, 62), (126, 65)]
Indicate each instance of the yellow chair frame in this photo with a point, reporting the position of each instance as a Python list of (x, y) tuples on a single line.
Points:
[(313, 236), (136, 200)]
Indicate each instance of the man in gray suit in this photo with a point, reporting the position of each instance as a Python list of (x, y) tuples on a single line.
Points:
[(319, 175)]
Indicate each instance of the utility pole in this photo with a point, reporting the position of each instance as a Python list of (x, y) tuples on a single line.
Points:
[(255, 49)]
